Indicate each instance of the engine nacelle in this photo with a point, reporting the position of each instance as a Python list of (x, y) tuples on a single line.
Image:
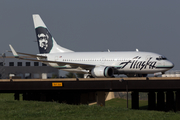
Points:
[(102, 72)]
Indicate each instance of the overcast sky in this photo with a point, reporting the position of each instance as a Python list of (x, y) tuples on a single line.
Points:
[(95, 25)]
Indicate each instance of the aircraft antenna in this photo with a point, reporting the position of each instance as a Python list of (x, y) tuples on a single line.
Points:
[(137, 50)]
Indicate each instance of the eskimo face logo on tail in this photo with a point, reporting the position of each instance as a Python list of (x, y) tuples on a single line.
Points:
[(44, 40)]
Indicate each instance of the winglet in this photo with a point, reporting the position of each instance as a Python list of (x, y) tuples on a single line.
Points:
[(14, 52)]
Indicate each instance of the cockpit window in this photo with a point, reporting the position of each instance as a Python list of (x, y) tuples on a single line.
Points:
[(161, 58)]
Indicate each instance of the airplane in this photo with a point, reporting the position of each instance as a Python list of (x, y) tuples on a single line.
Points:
[(93, 64)]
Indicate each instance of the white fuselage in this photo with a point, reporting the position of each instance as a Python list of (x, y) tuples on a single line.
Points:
[(124, 62)]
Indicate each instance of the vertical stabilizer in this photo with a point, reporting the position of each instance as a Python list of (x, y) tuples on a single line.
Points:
[(46, 42)]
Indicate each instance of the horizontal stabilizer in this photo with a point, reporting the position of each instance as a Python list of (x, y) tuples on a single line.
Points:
[(14, 52), (17, 56)]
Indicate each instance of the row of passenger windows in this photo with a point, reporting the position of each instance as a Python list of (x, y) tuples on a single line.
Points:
[(96, 59), (21, 64)]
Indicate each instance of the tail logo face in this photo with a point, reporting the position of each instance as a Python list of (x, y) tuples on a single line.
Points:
[(44, 40)]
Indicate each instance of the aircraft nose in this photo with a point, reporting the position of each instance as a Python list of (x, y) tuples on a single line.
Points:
[(169, 64)]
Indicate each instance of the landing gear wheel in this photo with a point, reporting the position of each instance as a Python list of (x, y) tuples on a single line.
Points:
[(89, 76)]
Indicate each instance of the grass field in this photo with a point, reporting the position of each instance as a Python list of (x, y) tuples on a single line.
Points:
[(114, 110)]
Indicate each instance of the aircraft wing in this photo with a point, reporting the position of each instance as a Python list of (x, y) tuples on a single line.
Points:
[(84, 66), (60, 64), (32, 55)]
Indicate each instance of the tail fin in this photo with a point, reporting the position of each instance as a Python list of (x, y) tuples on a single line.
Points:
[(46, 42)]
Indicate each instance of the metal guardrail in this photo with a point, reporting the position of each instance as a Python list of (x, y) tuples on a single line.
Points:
[(93, 79), (91, 84)]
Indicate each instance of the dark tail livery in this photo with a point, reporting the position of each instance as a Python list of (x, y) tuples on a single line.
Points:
[(46, 42)]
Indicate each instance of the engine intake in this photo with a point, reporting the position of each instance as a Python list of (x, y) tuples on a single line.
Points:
[(102, 72)]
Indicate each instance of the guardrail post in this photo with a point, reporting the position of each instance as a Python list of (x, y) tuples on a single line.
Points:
[(25, 96), (43, 97), (160, 101), (151, 101), (16, 96), (100, 96), (169, 100), (84, 98), (135, 100), (177, 100)]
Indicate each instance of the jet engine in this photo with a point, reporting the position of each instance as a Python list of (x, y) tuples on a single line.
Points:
[(102, 71)]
